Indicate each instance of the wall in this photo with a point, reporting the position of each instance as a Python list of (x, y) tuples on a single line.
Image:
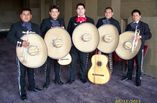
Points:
[(147, 7), (150, 65), (9, 12), (91, 8), (35, 6), (102, 4)]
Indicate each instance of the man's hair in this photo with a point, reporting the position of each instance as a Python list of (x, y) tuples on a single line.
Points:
[(108, 8), (136, 11), (25, 9), (80, 4), (53, 7)]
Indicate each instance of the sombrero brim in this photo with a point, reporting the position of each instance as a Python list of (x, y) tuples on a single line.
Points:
[(121, 51), (85, 29), (57, 33), (36, 54), (110, 31)]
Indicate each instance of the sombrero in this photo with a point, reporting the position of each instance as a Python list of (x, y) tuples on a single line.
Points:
[(124, 49), (85, 37), (35, 54), (58, 42), (109, 38)]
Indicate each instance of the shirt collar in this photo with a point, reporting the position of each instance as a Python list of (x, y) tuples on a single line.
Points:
[(136, 22), (81, 16), (53, 19)]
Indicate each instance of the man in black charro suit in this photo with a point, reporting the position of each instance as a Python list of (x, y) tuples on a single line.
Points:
[(145, 34), (75, 53), (14, 36)]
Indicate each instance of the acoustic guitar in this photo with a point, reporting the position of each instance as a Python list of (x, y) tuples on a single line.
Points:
[(99, 73), (65, 60)]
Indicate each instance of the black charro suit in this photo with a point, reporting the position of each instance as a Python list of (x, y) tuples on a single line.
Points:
[(47, 24), (76, 54), (16, 30), (114, 22), (145, 34), (144, 31), (14, 36)]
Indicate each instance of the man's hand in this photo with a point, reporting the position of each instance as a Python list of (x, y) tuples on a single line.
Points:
[(62, 27), (25, 44), (138, 37)]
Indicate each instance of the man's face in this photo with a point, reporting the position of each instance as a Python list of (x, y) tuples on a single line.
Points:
[(108, 13), (54, 14), (136, 16), (26, 16), (80, 10)]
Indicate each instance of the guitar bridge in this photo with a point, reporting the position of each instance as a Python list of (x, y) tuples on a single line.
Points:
[(65, 59), (97, 74)]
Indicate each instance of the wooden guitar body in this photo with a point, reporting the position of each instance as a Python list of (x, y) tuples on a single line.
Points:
[(99, 73)]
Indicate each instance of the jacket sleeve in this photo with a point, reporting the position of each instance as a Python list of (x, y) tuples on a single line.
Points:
[(98, 23), (11, 36), (43, 28), (147, 34), (118, 27), (63, 23), (92, 21), (69, 28), (127, 28), (38, 30)]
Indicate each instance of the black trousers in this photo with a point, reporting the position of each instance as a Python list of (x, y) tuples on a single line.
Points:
[(22, 70), (138, 60), (110, 60), (81, 59), (52, 63)]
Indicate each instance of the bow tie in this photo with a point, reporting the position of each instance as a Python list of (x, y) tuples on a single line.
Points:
[(106, 21), (55, 23), (81, 19), (27, 25), (134, 25)]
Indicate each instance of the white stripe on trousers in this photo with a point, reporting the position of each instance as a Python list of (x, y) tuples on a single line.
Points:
[(142, 60), (19, 74), (86, 64), (110, 61)]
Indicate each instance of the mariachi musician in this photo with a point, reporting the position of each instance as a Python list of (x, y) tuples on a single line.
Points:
[(75, 53), (108, 19), (48, 23), (14, 36), (145, 34)]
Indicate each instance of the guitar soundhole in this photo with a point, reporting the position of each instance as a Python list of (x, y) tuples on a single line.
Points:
[(99, 63)]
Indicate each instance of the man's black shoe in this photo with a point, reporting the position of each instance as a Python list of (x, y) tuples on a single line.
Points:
[(35, 89), (83, 80), (45, 85), (58, 82), (124, 78), (138, 82), (70, 81), (23, 97)]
